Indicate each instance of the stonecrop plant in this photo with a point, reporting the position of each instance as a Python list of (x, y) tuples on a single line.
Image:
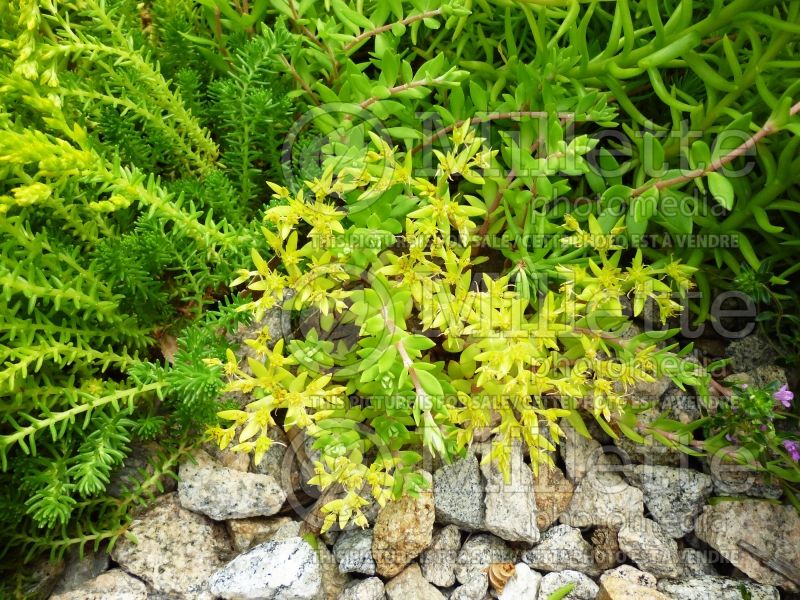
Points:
[(120, 228), (473, 204), (415, 343)]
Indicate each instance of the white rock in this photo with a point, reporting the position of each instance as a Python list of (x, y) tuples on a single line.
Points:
[(478, 552), (175, 550), (649, 546), (458, 494), (366, 589), (673, 496), (277, 570), (631, 574), (523, 585), (774, 529), (474, 589), (222, 493), (615, 588), (353, 552), (715, 588), (562, 548), (411, 585), (585, 588), (438, 562), (603, 498), (511, 506), (111, 585)]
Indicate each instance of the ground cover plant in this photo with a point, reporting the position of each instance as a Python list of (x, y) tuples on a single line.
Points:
[(472, 205)]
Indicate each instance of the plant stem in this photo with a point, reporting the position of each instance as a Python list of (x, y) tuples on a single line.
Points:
[(401, 88), (767, 129), (373, 32)]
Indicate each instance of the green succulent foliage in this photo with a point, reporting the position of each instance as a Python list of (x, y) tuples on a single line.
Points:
[(192, 378), (136, 139), (63, 456), (693, 81), (122, 223), (252, 111), (431, 345)]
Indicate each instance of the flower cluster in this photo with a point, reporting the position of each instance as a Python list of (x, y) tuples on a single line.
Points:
[(429, 331), (752, 426)]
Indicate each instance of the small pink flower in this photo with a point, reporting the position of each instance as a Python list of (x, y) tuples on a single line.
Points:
[(793, 448), (784, 396)]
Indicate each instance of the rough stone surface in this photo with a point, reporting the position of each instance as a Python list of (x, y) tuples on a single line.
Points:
[(287, 530), (650, 391), (631, 575), (696, 563), (411, 585), (774, 529), (239, 461), (366, 589), (279, 462), (282, 570), (553, 493), (78, 570), (680, 405), (715, 588), (246, 533), (614, 588), (511, 506), (478, 552), (333, 581), (603, 498), (767, 374), (736, 480), (605, 547), (112, 585), (353, 552), (403, 529), (523, 585), (674, 497), (649, 546), (580, 454), (176, 550), (222, 493), (750, 352), (474, 589), (438, 562), (585, 588), (458, 494), (562, 548)]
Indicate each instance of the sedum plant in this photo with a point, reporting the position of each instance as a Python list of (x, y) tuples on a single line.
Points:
[(415, 342), (124, 214), (692, 81)]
